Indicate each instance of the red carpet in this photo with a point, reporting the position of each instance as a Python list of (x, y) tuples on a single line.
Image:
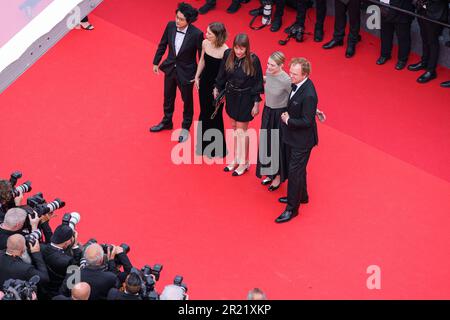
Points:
[(77, 124)]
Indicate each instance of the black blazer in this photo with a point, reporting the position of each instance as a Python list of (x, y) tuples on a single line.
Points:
[(301, 130), (186, 60), (16, 268), (100, 281)]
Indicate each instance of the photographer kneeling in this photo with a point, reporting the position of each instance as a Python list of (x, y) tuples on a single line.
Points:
[(62, 252), (130, 290), (13, 267), (95, 273)]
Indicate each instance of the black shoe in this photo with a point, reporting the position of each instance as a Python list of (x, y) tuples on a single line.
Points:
[(318, 34), (206, 8), (286, 216), (333, 43), (445, 84), (273, 188), (234, 7), (351, 49), (427, 76), (283, 200), (276, 24), (417, 66), (256, 12), (161, 126), (382, 60), (266, 181), (229, 168), (400, 65)]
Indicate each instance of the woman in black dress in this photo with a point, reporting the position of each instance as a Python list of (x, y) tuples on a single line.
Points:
[(210, 134), (241, 77)]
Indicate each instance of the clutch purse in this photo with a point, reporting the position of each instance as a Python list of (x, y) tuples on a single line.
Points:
[(218, 102)]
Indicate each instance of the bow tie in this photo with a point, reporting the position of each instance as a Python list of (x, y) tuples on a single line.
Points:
[(294, 87), (181, 31)]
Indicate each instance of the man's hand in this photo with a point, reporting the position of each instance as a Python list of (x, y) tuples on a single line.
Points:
[(285, 117), (34, 222), (119, 249), (18, 200), (35, 248), (47, 217), (111, 253), (155, 69)]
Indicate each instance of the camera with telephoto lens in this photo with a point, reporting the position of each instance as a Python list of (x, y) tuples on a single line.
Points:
[(41, 207), (33, 237), (265, 11), (71, 219), (178, 281), (16, 175), (21, 189), (19, 289), (148, 288), (124, 246)]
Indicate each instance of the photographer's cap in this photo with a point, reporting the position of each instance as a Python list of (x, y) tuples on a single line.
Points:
[(62, 234)]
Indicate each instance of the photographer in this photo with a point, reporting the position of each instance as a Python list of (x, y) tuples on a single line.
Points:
[(62, 252), (6, 198), (14, 223), (13, 267), (130, 289), (80, 291), (95, 273)]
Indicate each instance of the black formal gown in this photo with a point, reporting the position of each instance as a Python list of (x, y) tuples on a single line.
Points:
[(207, 80)]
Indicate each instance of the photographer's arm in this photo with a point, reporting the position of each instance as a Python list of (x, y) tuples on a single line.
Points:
[(38, 268)]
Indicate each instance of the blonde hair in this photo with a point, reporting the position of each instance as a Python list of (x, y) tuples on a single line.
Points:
[(278, 57), (305, 64)]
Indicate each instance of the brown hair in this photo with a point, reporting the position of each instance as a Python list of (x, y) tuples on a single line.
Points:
[(5, 192), (241, 40), (218, 29), (278, 57), (305, 64)]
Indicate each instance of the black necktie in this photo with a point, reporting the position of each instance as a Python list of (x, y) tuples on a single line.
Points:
[(294, 87), (181, 32)]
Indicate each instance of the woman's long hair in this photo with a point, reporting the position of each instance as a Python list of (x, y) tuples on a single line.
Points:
[(241, 40)]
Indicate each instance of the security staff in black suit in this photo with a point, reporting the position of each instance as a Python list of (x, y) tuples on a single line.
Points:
[(354, 14), (13, 267), (400, 23), (299, 132), (95, 273), (62, 252), (429, 31), (185, 42)]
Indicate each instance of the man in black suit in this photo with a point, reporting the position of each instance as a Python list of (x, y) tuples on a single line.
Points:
[(394, 21), (354, 18), (185, 42), (299, 131), (430, 32), (13, 267), (130, 289), (95, 274)]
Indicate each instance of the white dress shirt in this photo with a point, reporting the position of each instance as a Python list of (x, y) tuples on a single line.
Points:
[(179, 38), (298, 87)]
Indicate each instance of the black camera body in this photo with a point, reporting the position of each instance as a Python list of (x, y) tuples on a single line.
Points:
[(294, 32), (148, 286), (19, 289), (178, 281)]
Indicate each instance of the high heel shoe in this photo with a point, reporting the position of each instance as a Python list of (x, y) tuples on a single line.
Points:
[(273, 188), (237, 173), (266, 181), (230, 167)]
